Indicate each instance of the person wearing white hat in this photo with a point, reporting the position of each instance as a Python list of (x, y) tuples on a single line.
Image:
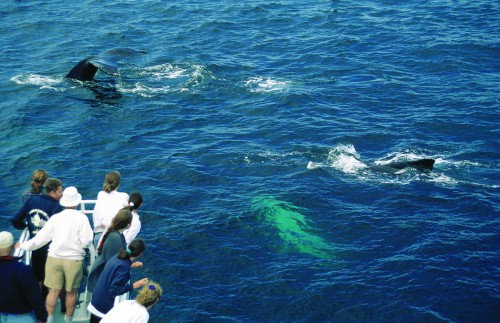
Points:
[(70, 233), (21, 295)]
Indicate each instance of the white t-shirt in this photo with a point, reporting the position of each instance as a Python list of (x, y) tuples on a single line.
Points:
[(127, 312), (134, 229), (69, 231), (106, 207)]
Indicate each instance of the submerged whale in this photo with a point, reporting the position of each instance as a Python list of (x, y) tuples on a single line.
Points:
[(292, 227), (106, 61), (424, 164)]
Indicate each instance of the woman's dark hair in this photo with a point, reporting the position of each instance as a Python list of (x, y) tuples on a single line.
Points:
[(135, 201), (121, 220), (112, 181), (39, 178), (136, 248)]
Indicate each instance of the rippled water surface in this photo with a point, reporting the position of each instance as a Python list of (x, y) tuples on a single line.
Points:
[(251, 128)]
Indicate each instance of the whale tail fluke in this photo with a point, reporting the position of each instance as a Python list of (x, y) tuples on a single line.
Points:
[(106, 61)]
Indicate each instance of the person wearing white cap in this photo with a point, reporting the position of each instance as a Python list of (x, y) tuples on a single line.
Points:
[(70, 233), (21, 295)]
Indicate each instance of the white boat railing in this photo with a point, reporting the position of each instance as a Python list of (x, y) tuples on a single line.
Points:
[(83, 206), (25, 236)]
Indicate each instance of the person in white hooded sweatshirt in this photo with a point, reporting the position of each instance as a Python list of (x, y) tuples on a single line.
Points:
[(109, 202), (70, 233)]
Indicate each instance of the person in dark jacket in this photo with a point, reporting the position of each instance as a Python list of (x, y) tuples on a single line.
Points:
[(21, 295), (111, 243), (114, 280), (34, 214)]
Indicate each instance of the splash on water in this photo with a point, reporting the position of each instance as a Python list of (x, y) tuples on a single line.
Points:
[(344, 158), (41, 81), (142, 89), (266, 85)]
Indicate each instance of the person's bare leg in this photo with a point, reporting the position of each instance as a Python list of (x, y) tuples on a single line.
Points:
[(70, 302), (51, 301)]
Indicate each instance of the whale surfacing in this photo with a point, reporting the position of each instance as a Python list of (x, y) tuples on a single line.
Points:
[(424, 164), (106, 61), (420, 164)]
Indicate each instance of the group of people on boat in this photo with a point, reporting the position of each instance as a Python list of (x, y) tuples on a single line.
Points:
[(59, 238)]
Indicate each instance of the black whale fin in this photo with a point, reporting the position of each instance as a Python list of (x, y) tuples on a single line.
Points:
[(106, 61)]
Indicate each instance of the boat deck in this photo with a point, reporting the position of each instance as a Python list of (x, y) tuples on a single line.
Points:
[(81, 314)]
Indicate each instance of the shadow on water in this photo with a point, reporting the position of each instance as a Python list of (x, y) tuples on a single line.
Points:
[(102, 93), (105, 91)]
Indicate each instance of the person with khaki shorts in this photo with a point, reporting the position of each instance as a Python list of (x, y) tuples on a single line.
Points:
[(60, 272), (70, 233)]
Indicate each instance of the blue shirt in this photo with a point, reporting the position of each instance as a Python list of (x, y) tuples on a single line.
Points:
[(115, 242), (113, 281), (36, 212)]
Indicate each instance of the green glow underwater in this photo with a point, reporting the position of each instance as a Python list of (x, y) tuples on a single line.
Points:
[(292, 226)]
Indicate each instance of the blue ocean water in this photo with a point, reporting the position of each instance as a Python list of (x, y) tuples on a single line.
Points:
[(249, 128)]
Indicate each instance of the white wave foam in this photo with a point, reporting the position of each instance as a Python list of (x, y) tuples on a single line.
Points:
[(271, 157), (275, 155), (457, 164), (311, 165), (264, 85), (164, 71), (199, 73), (167, 78), (191, 73), (443, 179), (44, 82), (398, 156), (341, 149), (347, 164), (344, 158), (143, 90)]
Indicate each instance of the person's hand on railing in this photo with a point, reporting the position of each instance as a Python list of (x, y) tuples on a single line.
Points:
[(136, 264), (140, 283)]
